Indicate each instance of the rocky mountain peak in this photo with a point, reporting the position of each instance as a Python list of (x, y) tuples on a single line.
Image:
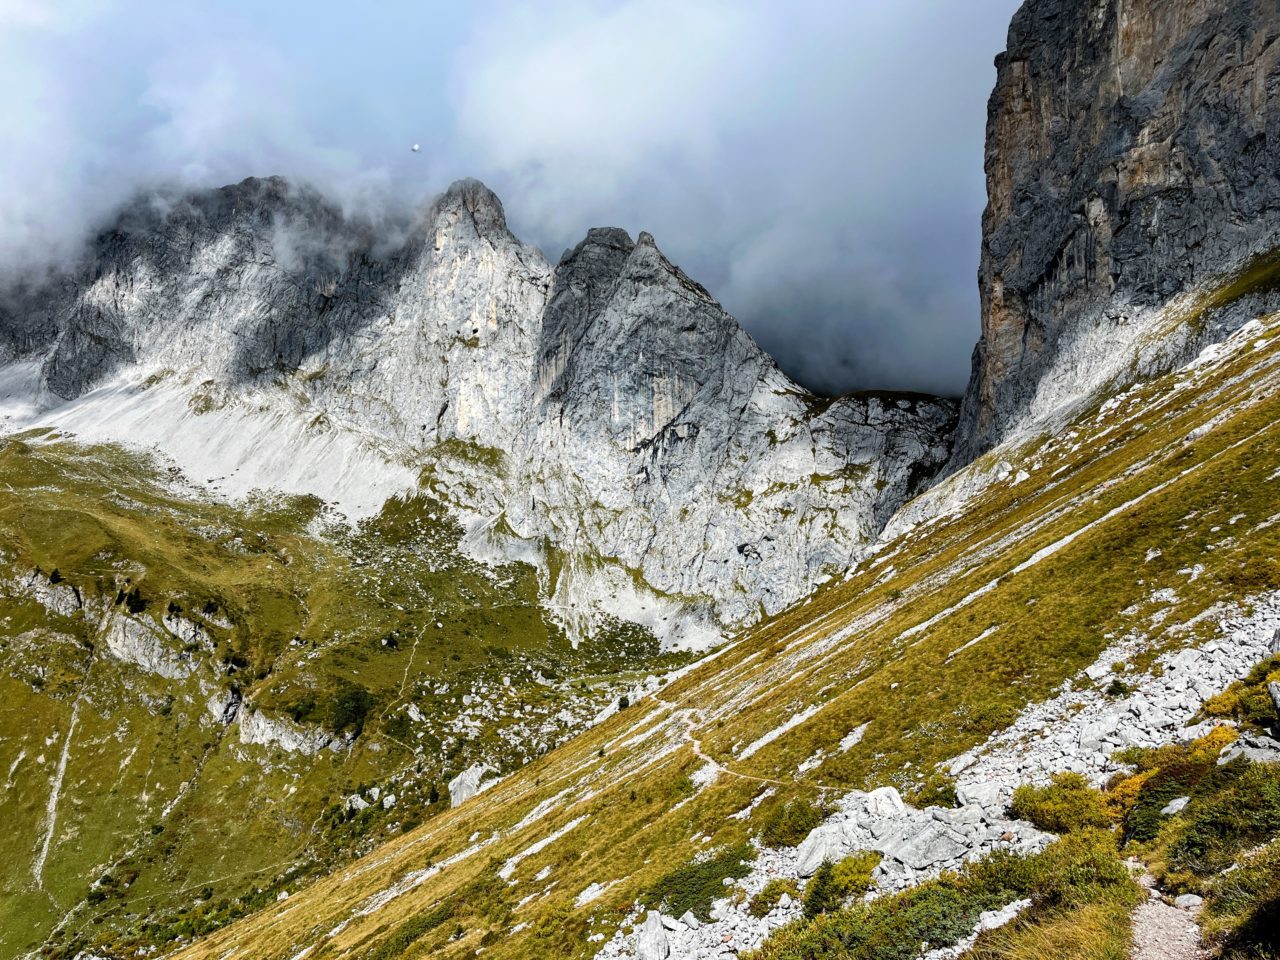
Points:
[(470, 201), (1130, 162), (608, 408)]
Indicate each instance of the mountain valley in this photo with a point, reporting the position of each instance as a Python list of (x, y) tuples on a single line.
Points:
[(379, 593)]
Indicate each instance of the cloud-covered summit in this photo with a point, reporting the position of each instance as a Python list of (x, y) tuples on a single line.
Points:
[(816, 165)]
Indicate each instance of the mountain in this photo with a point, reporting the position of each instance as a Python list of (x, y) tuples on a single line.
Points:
[(605, 416), (981, 665), (1129, 167), (305, 524), (1086, 618)]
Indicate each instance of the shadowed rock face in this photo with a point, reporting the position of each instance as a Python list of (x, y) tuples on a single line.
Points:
[(1131, 150), (605, 410)]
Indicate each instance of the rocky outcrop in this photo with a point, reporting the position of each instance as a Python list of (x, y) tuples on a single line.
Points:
[(475, 779), (56, 596), (604, 417), (1130, 167), (912, 842), (256, 727), (136, 640), (223, 706)]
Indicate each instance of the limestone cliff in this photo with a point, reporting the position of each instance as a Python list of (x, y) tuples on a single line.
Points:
[(603, 417), (1131, 165)]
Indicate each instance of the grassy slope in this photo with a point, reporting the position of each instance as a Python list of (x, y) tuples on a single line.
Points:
[(1176, 474), (189, 827)]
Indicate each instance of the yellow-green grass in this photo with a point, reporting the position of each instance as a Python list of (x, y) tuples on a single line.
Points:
[(1114, 508), (190, 827)]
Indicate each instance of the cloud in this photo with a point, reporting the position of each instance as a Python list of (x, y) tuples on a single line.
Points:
[(817, 165)]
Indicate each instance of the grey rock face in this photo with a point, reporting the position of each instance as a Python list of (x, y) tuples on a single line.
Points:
[(652, 944), (1130, 160), (469, 782), (604, 417), (135, 640), (258, 728)]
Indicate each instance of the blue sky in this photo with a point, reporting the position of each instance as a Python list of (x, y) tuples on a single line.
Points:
[(817, 165)]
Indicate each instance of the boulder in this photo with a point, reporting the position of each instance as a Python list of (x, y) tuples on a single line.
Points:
[(1175, 806), (469, 782), (1188, 901), (1274, 690), (652, 942), (920, 847), (1097, 671), (884, 802), (995, 919)]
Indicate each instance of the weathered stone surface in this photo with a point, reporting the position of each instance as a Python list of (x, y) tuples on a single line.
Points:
[(224, 706), (257, 727), (1130, 158), (136, 640), (606, 406), (469, 782), (652, 943)]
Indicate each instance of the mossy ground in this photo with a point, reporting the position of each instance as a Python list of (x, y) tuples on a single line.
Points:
[(1137, 519)]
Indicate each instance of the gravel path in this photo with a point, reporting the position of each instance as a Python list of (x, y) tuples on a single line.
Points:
[(1162, 931)]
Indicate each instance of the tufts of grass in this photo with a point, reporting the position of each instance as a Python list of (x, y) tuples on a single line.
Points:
[(786, 823), (771, 894), (938, 790), (1076, 872), (1064, 806), (695, 885)]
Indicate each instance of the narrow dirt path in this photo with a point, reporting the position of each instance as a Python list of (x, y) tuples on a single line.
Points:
[(691, 717), (1162, 931)]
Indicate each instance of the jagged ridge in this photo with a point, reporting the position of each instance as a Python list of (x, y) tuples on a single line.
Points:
[(607, 410)]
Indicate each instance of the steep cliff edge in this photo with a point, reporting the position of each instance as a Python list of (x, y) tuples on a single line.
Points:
[(1132, 183)]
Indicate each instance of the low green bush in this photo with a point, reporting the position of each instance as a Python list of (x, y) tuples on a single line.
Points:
[(696, 885), (1066, 804), (411, 931), (1082, 867), (1240, 815), (769, 897), (1079, 869), (1242, 907), (1248, 701), (834, 883), (939, 790), (821, 895), (787, 823), (852, 875)]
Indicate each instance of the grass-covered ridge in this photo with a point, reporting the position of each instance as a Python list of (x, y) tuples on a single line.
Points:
[(168, 826), (1140, 518)]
